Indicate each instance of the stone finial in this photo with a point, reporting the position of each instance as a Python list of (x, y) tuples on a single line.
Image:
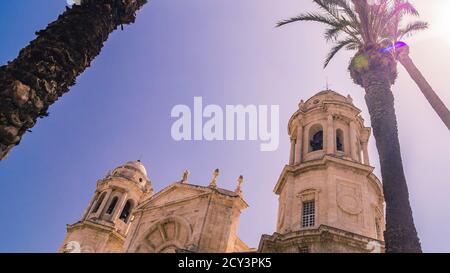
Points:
[(185, 177), (361, 117), (302, 105), (238, 189), (349, 99), (213, 183)]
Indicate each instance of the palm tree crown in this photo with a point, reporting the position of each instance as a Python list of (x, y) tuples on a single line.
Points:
[(358, 25), (374, 29)]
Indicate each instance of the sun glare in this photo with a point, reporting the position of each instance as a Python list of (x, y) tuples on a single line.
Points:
[(440, 23)]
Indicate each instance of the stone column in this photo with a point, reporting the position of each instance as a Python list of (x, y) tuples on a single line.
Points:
[(298, 143), (353, 146), (119, 206), (89, 207), (330, 139), (104, 202), (365, 153), (288, 210), (292, 153)]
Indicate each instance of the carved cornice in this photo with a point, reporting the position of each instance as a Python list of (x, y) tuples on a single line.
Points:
[(322, 163), (202, 191), (107, 228), (321, 234)]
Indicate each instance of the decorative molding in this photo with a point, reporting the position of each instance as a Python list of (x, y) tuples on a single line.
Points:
[(349, 197)]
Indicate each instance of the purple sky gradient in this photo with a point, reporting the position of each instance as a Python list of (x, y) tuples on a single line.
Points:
[(228, 52)]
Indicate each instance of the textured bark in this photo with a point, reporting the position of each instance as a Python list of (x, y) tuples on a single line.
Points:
[(376, 78), (49, 65), (424, 86)]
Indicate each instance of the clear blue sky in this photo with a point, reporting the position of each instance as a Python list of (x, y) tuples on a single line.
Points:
[(230, 53)]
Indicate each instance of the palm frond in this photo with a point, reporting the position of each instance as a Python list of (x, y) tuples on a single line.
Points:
[(362, 9), (345, 6), (356, 24), (393, 17), (329, 7), (312, 17), (343, 26), (412, 28), (402, 8), (332, 34), (349, 42)]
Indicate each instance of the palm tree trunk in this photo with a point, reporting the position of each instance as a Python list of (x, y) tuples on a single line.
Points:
[(424, 86), (49, 65), (401, 234)]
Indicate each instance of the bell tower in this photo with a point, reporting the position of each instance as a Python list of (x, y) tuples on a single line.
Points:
[(329, 198), (106, 221)]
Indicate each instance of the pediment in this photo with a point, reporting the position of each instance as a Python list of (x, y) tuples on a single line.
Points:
[(174, 193)]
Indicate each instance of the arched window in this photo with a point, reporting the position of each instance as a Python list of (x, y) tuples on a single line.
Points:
[(125, 214), (99, 202), (316, 138), (112, 205), (339, 140)]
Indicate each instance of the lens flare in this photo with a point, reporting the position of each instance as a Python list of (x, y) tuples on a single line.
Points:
[(441, 21), (361, 62), (393, 47)]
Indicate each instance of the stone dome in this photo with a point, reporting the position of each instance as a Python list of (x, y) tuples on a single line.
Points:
[(138, 166), (326, 95), (132, 170)]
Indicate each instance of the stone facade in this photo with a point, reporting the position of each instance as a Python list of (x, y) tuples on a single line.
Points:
[(329, 178), (329, 198), (188, 217), (181, 217)]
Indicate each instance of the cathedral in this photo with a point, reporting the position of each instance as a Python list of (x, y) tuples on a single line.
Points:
[(329, 198)]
